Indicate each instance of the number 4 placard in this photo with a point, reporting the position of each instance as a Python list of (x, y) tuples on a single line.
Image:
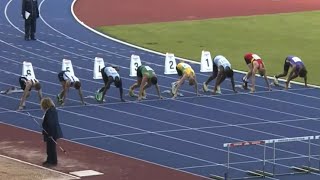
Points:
[(170, 64), (98, 65), (206, 62)]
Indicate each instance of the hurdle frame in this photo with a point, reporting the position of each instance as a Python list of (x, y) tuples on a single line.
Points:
[(304, 169)]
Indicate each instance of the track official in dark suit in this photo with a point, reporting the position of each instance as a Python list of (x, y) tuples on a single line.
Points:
[(51, 130), (30, 13)]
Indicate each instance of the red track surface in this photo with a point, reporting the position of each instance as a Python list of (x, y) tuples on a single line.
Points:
[(114, 12), (28, 146)]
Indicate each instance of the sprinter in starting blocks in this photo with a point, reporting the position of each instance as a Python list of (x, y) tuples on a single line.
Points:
[(110, 75), (28, 81), (146, 77), (298, 69), (67, 80), (185, 72), (221, 70)]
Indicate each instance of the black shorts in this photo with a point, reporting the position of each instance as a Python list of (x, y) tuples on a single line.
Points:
[(104, 76), (286, 65), (22, 82), (119, 84), (139, 72), (179, 71), (215, 68), (60, 76)]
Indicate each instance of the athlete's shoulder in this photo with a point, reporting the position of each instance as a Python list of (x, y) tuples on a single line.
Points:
[(218, 57), (180, 63), (290, 57)]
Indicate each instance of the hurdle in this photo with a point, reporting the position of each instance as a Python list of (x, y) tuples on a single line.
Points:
[(262, 173), (309, 168), (234, 145)]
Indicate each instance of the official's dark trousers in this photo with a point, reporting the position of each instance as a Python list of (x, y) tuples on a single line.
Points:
[(30, 27), (51, 152)]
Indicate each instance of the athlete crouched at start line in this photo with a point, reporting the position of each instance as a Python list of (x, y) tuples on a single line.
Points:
[(26, 84), (68, 80), (221, 70), (146, 77), (110, 75), (185, 72)]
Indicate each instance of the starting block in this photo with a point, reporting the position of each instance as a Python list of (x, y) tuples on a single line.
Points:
[(169, 92), (144, 94), (11, 90), (240, 86), (217, 92), (92, 97), (276, 83), (98, 65), (280, 85), (206, 62), (27, 70), (67, 66), (134, 64), (170, 64)]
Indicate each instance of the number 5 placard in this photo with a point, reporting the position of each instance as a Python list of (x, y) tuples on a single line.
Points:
[(67, 66), (27, 70)]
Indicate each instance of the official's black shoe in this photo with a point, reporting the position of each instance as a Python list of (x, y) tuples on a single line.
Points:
[(45, 163), (33, 38), (48, 164), (26, 38)]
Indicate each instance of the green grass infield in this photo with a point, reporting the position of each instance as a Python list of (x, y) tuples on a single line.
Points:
[(272, 37)]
